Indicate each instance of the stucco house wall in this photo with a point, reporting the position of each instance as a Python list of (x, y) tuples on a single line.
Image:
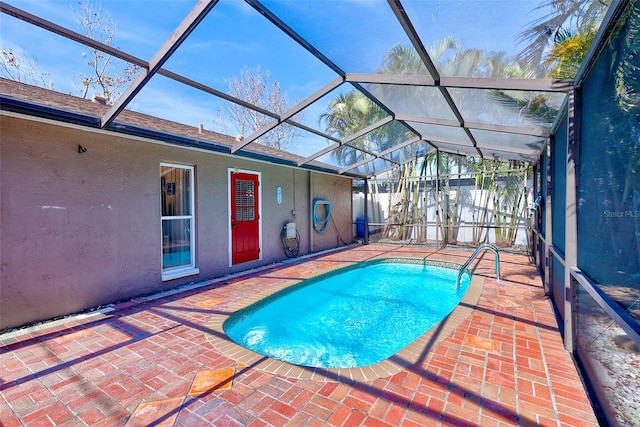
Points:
[(82, 229), (336, 232)]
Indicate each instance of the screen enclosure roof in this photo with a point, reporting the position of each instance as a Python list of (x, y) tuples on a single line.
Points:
[(360, 87)]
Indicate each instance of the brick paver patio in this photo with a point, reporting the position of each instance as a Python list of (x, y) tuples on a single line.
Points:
[(151, 361)]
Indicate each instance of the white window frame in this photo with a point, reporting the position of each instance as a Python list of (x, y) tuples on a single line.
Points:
[(172, 273)]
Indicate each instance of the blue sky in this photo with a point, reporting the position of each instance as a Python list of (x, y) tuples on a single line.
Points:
[(354, 34)]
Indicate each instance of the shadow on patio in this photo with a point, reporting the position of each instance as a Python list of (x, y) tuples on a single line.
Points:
[(151, 362)]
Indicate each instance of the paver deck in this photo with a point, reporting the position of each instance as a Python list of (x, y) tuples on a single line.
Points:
[(157, 361)]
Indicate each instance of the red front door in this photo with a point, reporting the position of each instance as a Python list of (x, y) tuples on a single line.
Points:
[(245, 229)]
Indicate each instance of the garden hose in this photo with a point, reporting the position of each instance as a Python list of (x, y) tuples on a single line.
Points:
[(320, 225), (290, 251)]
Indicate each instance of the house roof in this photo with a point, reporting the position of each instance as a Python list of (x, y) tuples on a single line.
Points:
[(423, 102), (32, 100)]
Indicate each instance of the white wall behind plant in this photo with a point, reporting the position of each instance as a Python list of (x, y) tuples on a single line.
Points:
[(466, 218)]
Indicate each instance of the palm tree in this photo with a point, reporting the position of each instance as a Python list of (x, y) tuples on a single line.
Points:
[(448, 210), (351, 112), (568, 52), (451, 60), (403, 59), (498, 64), (579, 15), (508, 197), (531, 106), (347, 114)]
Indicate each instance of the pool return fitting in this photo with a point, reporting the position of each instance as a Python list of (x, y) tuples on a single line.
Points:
[(482, 247)]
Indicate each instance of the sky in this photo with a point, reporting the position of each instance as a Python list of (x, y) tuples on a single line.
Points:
[(354, 34)]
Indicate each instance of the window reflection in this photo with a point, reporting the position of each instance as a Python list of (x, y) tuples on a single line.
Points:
[(177, 219)]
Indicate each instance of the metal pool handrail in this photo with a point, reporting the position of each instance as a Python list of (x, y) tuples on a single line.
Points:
[(483, 246)]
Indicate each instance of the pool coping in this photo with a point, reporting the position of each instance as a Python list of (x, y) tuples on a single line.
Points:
[(412, 354)]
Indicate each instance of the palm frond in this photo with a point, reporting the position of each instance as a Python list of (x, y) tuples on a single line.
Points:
[(627, 71), (565, 14)]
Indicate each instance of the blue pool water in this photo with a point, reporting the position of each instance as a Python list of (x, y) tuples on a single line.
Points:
[(355, 318)]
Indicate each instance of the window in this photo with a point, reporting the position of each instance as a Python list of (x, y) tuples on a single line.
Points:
[(178, 232)]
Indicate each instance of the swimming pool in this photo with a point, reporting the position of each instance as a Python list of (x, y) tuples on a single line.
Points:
[(355, 316)]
